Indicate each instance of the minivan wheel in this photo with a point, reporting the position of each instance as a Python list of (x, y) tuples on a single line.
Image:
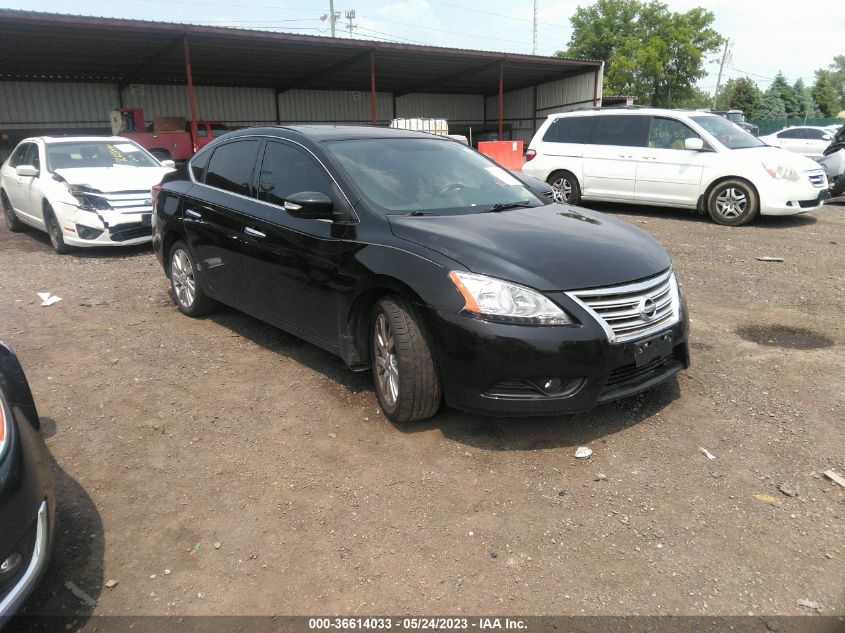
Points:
[(404, 372), (187, 292), (733, 203), (565, 187), (12, 222), (57, 241)]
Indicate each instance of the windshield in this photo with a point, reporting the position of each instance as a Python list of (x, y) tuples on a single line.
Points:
[(86, 154), (728, 134), (736, 117), (405, 175)]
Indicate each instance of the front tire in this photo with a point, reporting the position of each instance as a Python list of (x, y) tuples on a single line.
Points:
[(733, 203), (12, 221), (57, 240), (565, 187), (185, 288), (404, 372)]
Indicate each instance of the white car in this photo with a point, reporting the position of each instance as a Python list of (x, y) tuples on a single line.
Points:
[(807, 140), (672, 158), (83, 191)]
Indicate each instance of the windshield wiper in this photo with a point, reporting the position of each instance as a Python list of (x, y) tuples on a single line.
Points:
[(416, 214), (504, 206)]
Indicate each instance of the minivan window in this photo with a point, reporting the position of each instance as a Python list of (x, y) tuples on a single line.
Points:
[(286, 170), (668, 134), (626, 130), (572, 129), (418, 174), (231, 166), (728, 134)]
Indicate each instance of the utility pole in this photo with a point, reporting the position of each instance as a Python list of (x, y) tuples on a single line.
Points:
[(534, 48), (350, 15), (333, 17), (721, 67)]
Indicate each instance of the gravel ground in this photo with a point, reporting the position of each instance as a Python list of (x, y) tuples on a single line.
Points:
[(220, 466)]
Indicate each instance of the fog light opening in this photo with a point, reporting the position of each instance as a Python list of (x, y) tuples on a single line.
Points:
[(10, 565), (88, 233), (552, 385)]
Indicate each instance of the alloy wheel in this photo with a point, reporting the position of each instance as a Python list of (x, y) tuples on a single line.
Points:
[(53, 231), (387, 366), (182, 274), (562, 190), (731, 203)]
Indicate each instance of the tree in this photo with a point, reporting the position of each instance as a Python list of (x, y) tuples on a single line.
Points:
[(740, 94), (837, 77), (649, 51), (771, 107), (781, 89), (824, 93), (807, 107), (694, 99)]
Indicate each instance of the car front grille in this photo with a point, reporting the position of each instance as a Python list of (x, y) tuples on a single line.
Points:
[(633, 310), (126, 201), (124, 232), (817, 178)]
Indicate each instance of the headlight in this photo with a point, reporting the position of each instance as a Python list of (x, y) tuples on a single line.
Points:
[(496, 300), (88, 200), (781, 172), (5, 429)]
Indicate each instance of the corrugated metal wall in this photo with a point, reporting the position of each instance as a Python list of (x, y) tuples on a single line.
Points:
[(238, 107), (45, 105), (560, 95), (454, 108), (333, 106)]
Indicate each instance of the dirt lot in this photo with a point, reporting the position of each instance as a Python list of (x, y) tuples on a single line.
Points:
[(261, 474)]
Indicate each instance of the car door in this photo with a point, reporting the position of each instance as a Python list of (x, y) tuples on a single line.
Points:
[(815, 142), (610, 158), (213, 214), (790, 140), (18, 187), (34, 196), (667, 173), (291, 263)]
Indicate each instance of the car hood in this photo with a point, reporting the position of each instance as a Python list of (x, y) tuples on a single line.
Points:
[(113, 179), (553, 247), (778, 156)]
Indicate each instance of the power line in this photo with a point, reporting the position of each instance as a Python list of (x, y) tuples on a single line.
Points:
[(426, 28)]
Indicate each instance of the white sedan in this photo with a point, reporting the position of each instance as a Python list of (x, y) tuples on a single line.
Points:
[(83, 191), (808, 140)]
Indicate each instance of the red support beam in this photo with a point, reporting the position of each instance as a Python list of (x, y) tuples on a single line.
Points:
[(191, 98), (373, 100), (501, 95)]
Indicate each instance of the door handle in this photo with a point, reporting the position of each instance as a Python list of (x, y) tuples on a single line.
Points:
[(254, 232), (193, 214)]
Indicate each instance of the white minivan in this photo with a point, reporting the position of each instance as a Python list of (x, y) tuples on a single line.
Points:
[(672, 158)]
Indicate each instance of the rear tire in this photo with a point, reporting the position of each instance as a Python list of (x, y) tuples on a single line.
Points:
[(186, 290), (565, 187), (733, 203), (57, 240), (405, 375), (12, 221)]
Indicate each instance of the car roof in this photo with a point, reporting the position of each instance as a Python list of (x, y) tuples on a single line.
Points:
[(635, 110), (49, 140), (322, 133)]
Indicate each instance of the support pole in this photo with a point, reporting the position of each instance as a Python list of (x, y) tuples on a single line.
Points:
[(191, 99), (596, 88), (373, 100), (501, 95)]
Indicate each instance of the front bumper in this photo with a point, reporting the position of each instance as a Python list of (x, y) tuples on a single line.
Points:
[(501, 370), (105, 227), (790, 198), (30, 573)]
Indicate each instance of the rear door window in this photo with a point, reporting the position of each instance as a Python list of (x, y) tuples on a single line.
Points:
[(625, 130), (573, 129), (231, 166)]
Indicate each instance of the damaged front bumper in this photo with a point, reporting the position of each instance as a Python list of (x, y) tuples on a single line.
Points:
[(84, 227)]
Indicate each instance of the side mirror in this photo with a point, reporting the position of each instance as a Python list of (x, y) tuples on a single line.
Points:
[(26, 170), (309, 205), (168, 163), (693, 144)]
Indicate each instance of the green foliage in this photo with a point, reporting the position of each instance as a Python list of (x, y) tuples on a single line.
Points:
[(837, 77), (781, 89), (649, 51), (740, 94), (771, 107), (694, 99), (824, 93), (807, 107)]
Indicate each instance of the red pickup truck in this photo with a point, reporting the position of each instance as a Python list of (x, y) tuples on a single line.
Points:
[(170, 137)]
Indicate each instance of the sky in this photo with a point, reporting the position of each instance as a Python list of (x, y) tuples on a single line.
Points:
[(765, 37)]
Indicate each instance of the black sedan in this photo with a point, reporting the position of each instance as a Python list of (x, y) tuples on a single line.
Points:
[(27, 504), (421, 259)]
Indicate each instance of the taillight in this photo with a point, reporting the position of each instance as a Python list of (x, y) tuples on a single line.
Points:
[(154, 195), (531, 153)]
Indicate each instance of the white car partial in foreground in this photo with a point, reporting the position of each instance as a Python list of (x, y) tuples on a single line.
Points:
[(807, 140), (672, 158), (83, 191)]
